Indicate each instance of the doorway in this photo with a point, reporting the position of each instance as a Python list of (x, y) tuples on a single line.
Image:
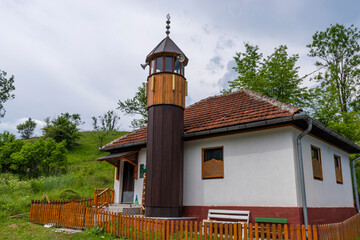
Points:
[(128, 183)]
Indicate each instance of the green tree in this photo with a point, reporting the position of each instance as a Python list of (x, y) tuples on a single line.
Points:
[(348, 124), (248, 67), (337, 50), (27, 128), (108, 124), (108, 121), (6, 87), (136, 106), (336, 97), (63, 128), (275, 76), (42, 157), (8, 146)]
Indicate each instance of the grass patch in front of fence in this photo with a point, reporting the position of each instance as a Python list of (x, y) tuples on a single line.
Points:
[(21, 228)]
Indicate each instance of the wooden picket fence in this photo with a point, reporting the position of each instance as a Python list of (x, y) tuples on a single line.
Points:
[(347, 230), (75, 215)]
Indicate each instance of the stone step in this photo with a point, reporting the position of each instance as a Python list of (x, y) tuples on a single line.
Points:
[(124, 208)]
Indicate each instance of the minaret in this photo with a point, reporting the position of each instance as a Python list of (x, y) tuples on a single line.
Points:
[(166, 89)]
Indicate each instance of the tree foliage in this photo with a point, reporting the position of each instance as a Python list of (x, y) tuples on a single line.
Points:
[(63, 128), (248, 67), (108, 123), (31, 159), (6, 87), (348, 124), (42, 157), (336, 97), (337, 50), (27, 128), (136, 106), (8, 146), (275, 76)]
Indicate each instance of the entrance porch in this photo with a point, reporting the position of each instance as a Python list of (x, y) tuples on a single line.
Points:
[(128, 190)]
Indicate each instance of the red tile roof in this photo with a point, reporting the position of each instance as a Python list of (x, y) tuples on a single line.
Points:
[(221, 111)]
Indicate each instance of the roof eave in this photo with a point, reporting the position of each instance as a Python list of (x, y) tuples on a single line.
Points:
[(299, 116), (126, 145)]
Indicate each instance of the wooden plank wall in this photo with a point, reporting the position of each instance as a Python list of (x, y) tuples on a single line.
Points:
[(160, 89), (137, 227)]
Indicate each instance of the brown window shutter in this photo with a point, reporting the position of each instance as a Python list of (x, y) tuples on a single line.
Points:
[(316, 162), (338, 170), (213, 169), (213, 162)]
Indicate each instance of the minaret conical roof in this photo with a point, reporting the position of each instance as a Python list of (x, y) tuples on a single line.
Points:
[(165, 46)]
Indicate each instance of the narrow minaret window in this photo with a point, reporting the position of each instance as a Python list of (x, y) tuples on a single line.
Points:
[(168, 64), (159, 64)]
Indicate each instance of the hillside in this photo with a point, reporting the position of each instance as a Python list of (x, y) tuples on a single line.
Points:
[(84, 174)]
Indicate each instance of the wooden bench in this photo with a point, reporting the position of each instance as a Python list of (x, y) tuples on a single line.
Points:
[(270, 220), (229, 216)]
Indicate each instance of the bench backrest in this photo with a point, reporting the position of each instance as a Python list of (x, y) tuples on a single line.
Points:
[(233, 215)]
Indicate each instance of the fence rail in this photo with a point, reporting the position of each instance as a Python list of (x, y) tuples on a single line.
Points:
[(103, 197), (347, 230), (86, 202), (75, 215)]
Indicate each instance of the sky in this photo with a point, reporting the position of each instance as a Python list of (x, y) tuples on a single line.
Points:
[(84, 56)]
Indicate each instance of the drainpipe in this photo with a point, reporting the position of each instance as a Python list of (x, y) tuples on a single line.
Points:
[(301, 169), (355, 183)]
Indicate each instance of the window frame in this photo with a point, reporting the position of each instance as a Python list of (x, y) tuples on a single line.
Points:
[(172, 64), (202, 162), (162, 65), (321, 177), (340, 168)]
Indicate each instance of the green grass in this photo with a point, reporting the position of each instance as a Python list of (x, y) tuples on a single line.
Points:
[(84, 174), (21, 228)]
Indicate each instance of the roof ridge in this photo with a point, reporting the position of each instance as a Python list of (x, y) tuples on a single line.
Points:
[(282, 106), (215, 96)]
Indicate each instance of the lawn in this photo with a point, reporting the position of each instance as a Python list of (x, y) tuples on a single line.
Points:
[(21, 228)]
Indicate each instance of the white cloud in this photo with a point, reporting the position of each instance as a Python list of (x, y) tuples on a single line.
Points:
[(83, 56), (11, 126)]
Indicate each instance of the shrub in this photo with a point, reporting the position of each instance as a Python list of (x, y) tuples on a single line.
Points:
[(36, 186), (8, 146), (43, 157), (69, 194)]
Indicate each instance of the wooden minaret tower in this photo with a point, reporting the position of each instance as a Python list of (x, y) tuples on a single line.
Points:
[(166, 89)]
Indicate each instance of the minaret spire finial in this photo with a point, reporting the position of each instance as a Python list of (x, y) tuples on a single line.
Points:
[(168, 25)]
